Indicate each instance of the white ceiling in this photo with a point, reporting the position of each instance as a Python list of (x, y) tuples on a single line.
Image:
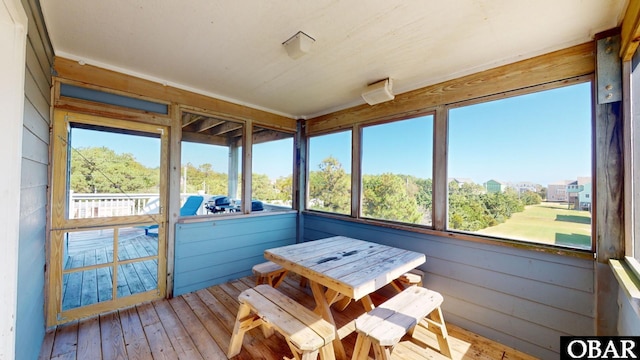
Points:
[(232, 49)]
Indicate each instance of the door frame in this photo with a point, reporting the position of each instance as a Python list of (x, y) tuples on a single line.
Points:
[(60, 224)]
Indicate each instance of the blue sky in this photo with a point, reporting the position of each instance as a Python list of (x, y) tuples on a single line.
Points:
[(542, 137)]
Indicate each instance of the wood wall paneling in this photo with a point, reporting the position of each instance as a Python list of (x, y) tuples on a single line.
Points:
[(216, 251), (30, 317)]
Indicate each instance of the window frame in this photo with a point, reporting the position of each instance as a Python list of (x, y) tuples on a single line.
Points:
[(522, 92), (631, 127), (361, 127), (355, 176), (292, 136), (439, 172)]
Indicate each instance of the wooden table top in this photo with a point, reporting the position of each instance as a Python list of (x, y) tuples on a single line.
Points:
[(349, 266)]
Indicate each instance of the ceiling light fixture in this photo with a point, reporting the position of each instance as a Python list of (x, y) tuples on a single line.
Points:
[(298, 45), (378, 92)]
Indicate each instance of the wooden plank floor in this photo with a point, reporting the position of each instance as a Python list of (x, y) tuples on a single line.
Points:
[(198, 325), (91, 286)]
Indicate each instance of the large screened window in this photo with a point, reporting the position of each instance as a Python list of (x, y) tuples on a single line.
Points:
[(211, 163), (330, 173), (272, 177), (397, 170), (112, 172), (520, 168)]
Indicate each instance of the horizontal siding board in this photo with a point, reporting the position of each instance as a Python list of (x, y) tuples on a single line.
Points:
[(37, 35), (35, 123), (34, 174), (39, 101), (509, 327), (559, 297), (30, 325), (34, 148), (37, 73), (32, 225), (205, 259), (227, 243), (216, 275), (205, 230), (516, 343), (628, 320), (32, 204), (520, 307), (217, 251), (522, 335), (525, 299)]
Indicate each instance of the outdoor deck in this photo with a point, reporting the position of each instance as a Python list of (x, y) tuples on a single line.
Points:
[(96, 247), (198, 325)]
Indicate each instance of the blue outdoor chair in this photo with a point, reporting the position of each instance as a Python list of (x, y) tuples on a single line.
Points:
[(189, 208)]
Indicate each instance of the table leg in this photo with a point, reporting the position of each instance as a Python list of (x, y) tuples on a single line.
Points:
[(367, 303), (343, 303), (323, 308)]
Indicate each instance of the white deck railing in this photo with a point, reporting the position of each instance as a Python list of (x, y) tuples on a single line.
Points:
[(82, 206)]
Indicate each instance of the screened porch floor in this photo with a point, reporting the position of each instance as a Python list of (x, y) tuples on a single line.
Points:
[(198, 325), (95, 247)]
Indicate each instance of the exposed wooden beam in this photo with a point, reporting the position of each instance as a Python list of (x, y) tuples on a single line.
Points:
[(204, 139), (206, 124), (188, 119), (224, 128), (630, 31), (269, 135)]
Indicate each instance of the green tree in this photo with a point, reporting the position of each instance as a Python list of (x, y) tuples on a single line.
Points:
[(284, 186), (330, 187), (386, 197), (530, 198), (205, 178), (471, 209), (262, 188), (467, 210), (102, 170)]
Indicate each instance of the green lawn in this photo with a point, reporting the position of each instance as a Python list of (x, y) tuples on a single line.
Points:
[(547, 223)]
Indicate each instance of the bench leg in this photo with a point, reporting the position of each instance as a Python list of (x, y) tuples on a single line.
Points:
[(441, 332), (382, 352), (397, 285), (361, 349), (241, 326), (342, 304), (277, 279), (327, 353), (271, 279)]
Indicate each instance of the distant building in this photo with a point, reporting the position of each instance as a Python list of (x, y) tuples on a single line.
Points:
[(557, 192), (524, 186), (494, 186), (584, 196), (575, 192)]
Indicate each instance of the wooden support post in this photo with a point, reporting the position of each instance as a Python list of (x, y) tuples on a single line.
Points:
[(609, 191)]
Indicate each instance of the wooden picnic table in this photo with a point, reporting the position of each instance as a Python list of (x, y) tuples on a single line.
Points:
[(340, 269)]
